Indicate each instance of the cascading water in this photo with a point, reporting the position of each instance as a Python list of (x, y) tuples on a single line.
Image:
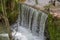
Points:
[(30, 24)]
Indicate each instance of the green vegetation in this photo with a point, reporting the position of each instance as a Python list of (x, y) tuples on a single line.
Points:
[(12, 12), (9, 13), (53, 24), (53, 27)]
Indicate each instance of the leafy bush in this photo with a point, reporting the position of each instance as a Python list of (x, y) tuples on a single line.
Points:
[(53, 28)]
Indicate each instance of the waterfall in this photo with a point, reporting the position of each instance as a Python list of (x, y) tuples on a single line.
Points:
[(30, 24)]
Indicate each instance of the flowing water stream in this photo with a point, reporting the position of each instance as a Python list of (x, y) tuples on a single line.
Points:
[(30, 24)]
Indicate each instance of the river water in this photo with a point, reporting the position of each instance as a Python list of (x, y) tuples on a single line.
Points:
[(30, 24)]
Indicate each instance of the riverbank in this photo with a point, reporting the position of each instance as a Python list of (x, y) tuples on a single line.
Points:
[(54, 11), (53, 25)]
